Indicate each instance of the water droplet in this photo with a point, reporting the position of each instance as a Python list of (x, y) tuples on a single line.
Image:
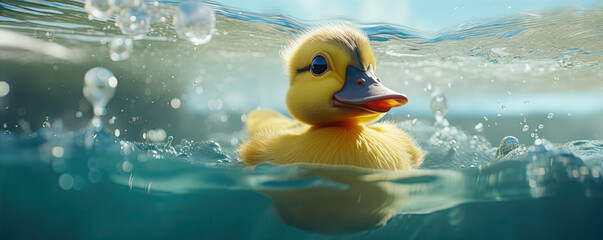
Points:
[(4, 88), (550, 116), (99, 87), (498, 101), (522, 112), (57, 151), (508, 144), (195, 22), (134, 20), (156, 135), (541, 126), (126, 166), (244, 118), (66, 181), (120, 48), (479, 127), (526, 128), (485, 118), (99, 9), (169, 141), (117, 133), (429, 87), (175, 103)]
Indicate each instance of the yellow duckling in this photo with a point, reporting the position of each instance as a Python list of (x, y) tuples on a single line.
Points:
[(334, 94)]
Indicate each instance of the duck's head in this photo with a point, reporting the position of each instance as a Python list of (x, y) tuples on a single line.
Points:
[(332, 74)]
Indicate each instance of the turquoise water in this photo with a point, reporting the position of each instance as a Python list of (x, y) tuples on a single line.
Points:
[(159, 161)]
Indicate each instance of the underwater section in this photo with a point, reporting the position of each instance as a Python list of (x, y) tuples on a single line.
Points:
[(121, 119)]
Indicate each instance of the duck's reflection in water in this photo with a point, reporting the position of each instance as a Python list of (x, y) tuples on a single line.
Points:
[(369, 199)]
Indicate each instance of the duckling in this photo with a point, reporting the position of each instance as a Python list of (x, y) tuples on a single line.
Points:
[(334, 95)]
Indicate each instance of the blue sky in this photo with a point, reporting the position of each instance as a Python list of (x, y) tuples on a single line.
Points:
[(427, 15)]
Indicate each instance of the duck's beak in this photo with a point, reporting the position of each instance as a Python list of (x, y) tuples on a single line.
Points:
[(362, 89)]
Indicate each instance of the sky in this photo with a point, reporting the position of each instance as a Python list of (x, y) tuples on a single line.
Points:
[(428, 15)]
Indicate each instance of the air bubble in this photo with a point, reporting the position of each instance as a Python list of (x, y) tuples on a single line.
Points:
[(508, 144), (479, 127), (439, 107), (94, 175), (4, 88), (99, 87), (66, 181), (175, 103), (215, 104), (155, 135), (99, 9), (134, 20), (126, 166), (120, 48), (58, 151), (195, 22), (550, 116), (526, 128), (541, 126)]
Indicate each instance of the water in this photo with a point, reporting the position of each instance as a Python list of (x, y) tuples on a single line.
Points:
[(124, 124)]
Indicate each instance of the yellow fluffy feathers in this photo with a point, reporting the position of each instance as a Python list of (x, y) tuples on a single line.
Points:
[(333, 93)]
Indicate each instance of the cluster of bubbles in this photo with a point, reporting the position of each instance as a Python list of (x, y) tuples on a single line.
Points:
[(439, 108), (193, 21)]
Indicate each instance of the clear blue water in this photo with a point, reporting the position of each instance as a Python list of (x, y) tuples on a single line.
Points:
[(161, 162)]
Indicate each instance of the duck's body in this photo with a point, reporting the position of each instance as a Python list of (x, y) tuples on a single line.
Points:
[(277, 139), (334, 94)]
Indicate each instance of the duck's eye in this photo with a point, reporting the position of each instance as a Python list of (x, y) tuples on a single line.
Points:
[(319, 65)]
